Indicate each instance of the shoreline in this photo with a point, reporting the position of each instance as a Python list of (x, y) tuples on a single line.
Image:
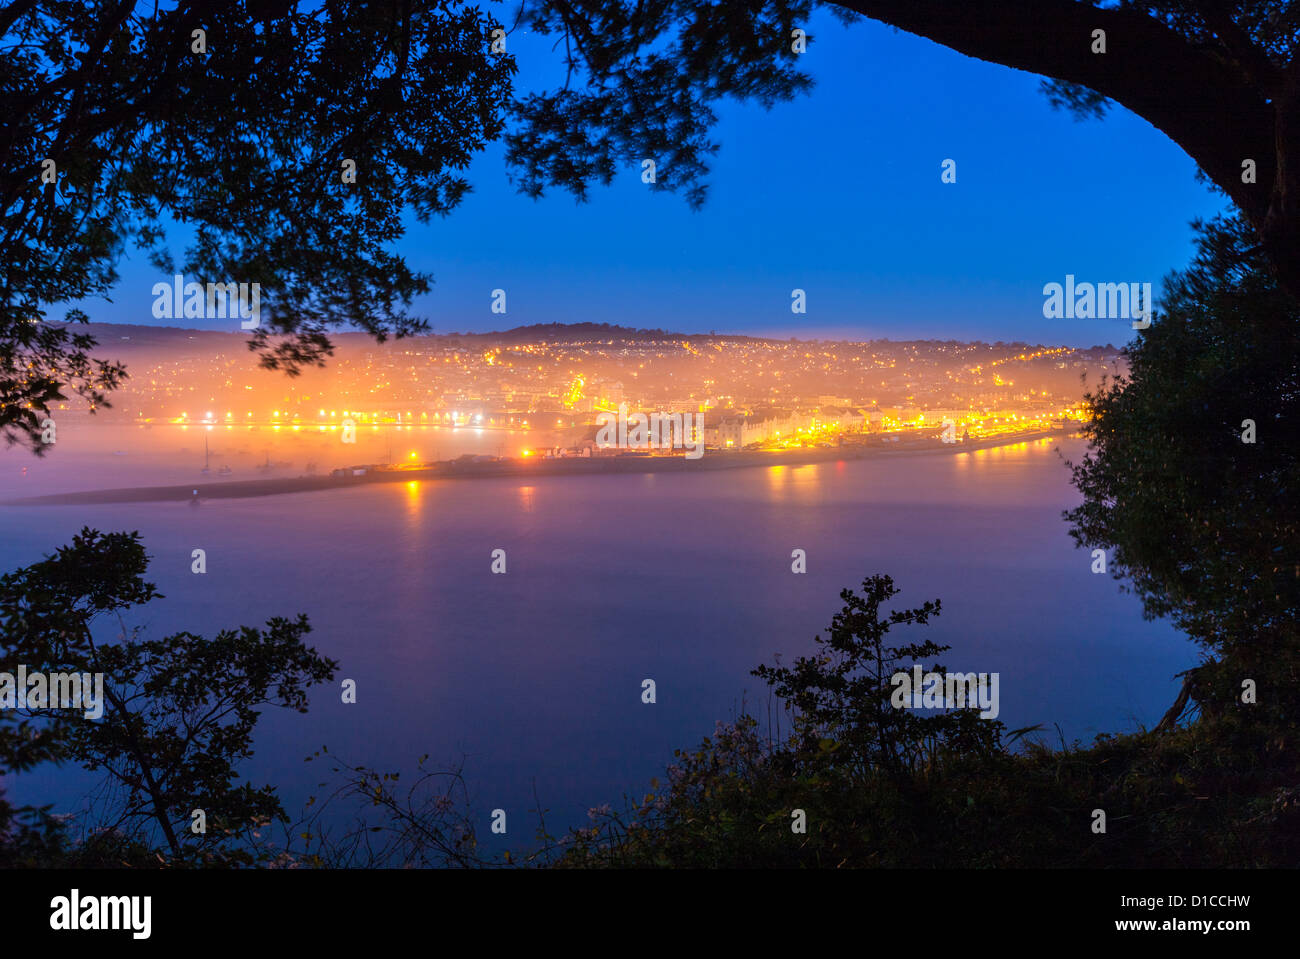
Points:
[(510, 468)]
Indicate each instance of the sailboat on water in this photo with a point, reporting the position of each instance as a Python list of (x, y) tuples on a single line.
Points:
[(205, 471)]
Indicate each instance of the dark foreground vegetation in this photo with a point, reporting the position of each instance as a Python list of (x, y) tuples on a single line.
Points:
[(889, 788)]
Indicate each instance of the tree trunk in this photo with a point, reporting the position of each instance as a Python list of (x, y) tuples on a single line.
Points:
[(1175, 711)]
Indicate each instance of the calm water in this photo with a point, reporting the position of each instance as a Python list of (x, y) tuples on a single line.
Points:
[(534, 677)]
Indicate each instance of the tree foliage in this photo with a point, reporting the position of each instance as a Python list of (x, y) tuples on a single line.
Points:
[(1199, 523), (855, 764), (179, 712), (243, 144), (841, 697), (1203, 523)]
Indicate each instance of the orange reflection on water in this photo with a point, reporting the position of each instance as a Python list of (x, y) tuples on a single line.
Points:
[(1004, 456), (797, 483), (414, 497)]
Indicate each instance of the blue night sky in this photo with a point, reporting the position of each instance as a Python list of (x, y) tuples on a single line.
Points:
[(837, 193)]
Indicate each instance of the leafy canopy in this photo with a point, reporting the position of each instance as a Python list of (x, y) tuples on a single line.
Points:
[(243, 145), (179, 712)]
